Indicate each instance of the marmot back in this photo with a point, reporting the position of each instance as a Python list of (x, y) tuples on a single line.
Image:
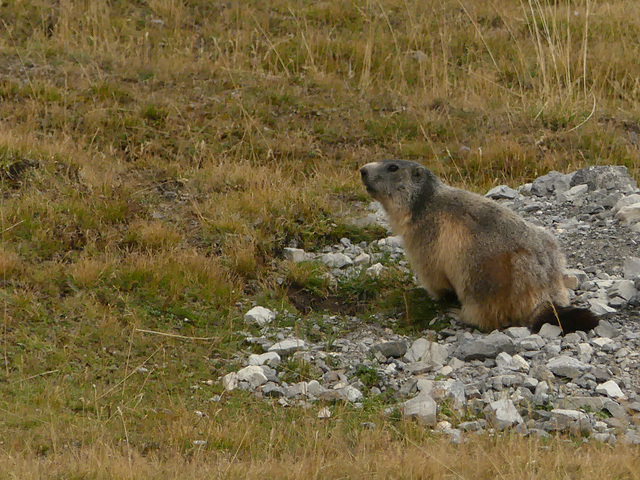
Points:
[(504, 270)]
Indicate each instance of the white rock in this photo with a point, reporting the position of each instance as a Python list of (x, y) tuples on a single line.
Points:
[(300, 388), (625, 201), (532, 342), (520, 364), (502, 191), (230, 381), (335, 260), (351, 394), (517, 332), (565, 418), (422, 408), (395, 241), (375, 270), (631, 267), (424, 350), (565, 366), (297, 255), (504, 360), (504, 413), (269, 358), (362, 259), (573, 193), (600, 307), (314, 388), (550, 331), (585, 351), (259, 316), (456, 363), (288, 346), (579, 275), (629, 214), (446, 371), (324, 413), (443, 425), (601, 341), (624, 289), (610, 389), (253, 374)]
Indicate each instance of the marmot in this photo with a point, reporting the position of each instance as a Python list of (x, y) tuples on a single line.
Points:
[(504, 270)]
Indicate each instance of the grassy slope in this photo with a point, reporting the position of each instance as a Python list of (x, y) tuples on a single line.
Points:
[(155, 158)]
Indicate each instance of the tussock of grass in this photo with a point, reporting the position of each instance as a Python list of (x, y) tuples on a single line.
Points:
[(156, 158)]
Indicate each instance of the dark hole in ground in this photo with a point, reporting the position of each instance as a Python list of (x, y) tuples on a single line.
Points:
[(307, 302), (413, 307)]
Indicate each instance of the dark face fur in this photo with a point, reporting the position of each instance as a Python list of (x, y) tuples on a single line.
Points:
[(398, 184)]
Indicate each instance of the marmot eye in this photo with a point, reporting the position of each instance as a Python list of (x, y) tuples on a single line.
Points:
[(392, 168)]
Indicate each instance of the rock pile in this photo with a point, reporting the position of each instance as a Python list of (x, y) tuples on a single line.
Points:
[(536, 384)]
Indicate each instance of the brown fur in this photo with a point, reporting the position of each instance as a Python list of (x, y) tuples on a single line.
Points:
[(503, 270)]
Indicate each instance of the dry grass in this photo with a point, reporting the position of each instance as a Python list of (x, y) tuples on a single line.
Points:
[(268, 441), (156, 157), (290, 446)]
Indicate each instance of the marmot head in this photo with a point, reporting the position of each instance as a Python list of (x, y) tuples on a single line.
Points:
[(400, 186)]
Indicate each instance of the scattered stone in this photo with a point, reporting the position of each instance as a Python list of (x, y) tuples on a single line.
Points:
[(632, 437), (253, 374), (230, 381), (502, 191), (271, 389), (259, 316), (573, 193), (324, 413), (487, 347), (631, 267), (350, 394), (471, 426), (297, 255), (594, 404), (553, 182), (606, 330), (600, 307), (532, 342), (504, 414), (288, 346), (562, 420), (362, 259), (579, 275), (550, 331), (429, 352), (517, 332), (393, 349), (375, 270), (393, 242), (422, 408), (335, 260), (610, 389), (315, 389), (608, 177), (629, 214), (565, 366), (269, 358), (515, 363)]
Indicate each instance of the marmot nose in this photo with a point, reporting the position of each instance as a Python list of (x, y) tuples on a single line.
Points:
[(364, 173)]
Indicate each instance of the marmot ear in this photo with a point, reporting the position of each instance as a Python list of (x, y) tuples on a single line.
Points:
[(418, 171)]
